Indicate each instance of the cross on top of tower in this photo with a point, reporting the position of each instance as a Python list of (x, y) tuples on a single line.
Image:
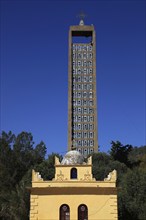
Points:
[(81, 15)]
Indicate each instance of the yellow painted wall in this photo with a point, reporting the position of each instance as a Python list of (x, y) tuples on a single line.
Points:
[(101, 205)]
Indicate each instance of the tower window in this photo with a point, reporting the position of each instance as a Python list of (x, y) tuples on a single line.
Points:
[(90, 94), (84, 47), (84, 55), (90, 79), (79, 102), (73, 173), (79, 79), (85, 135), (90, 55), (90, 70), (79, 126), (91, 127), (91, 134), (79, 95), (90, 111), (85, 118), (79, 63), (90, 63), (85, 144), (79, 135), (85, 79), (79, 143), (79, 118), (85, 63), (85, 95), (85, 111), (79, 56), (91, 143), (90, 48), (91, 102), (79, 48), (79, 71)]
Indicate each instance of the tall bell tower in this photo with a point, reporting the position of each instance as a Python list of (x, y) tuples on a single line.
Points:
[(82, 110)]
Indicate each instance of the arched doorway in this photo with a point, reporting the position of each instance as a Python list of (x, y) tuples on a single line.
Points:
[(82, 212), (64, 212)]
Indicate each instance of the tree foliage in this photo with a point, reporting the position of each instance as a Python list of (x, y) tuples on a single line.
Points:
[(19, 155), (120, 152)]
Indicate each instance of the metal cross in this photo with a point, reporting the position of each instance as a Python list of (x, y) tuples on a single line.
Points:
[(81, 15)]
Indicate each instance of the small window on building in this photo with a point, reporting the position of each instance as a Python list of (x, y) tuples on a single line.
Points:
[(90, 55), (79, 118), (79, 56), (79, 86), (73, 63), (90, 102), (79, 135), (85, 118), (85, 135), (90, 79), (90, 63), (79, 110), (79, 63), (64, 212), (91, 134), (79, 71), (85, 63), (82, 212), (85, 110), (79, 48), (84, 56), (91, 111), (79, 126), (79, 95), (85, 70), (85, 86), (85, 144), (91, 143), (85, 79), (79, 143), (79, 102), (91, 150), (73, 173), (90, 70), (90, 48)]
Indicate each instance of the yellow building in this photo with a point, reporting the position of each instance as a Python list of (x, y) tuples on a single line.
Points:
[(73, 194)]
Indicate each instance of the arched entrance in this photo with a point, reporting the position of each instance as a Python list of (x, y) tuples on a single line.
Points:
[(64, 212), (82, 212)]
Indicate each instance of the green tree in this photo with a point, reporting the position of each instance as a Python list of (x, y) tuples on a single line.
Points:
[(132, 199), (39, 153), (47, 168), (18, 156), (137, 156), (120, 152), (103, 164)]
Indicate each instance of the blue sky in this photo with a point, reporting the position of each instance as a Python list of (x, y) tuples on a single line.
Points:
[(34, 69)]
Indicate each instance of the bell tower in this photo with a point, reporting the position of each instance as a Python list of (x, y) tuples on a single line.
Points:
[(82, 110)]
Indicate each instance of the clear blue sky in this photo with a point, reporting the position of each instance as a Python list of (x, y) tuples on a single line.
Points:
[(34, 69)]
